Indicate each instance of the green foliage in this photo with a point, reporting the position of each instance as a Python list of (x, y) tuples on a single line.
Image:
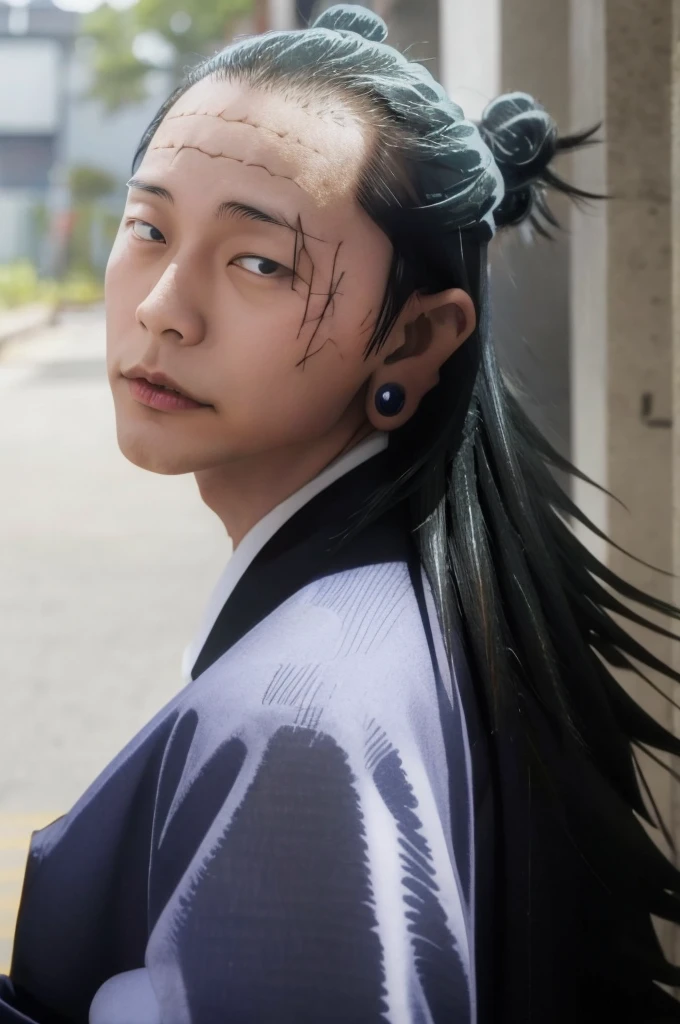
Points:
[(39, 220), (93, 228), (209, 27), (21, 286), (119, 76), (90, 183), (79, 251), (80, 289)]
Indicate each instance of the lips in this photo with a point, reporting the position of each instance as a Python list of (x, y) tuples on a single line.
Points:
[(162, 399), (161, 380)]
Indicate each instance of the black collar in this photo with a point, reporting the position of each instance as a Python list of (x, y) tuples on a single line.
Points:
[(307, 547)]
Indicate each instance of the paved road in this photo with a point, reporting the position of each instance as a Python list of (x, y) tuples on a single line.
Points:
[(104, 570)]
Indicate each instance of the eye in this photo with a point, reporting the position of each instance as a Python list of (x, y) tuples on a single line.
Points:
[(146, 232), (261, 266)]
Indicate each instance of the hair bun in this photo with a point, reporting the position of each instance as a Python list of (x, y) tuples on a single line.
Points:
[(352, 18), (521, 135)]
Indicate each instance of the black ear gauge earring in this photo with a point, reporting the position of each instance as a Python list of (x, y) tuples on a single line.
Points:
[(390, 399)]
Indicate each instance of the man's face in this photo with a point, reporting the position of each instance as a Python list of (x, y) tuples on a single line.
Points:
[(245, 270)]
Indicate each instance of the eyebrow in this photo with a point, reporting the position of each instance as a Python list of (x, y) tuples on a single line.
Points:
[(252, 213), (146, 186), (223, 210)]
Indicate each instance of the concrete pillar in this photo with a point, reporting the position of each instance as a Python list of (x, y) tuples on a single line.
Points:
[(589, 268), (675, 341), (621, 304), (488, 48), (470, 45), (585, 322), (281, 15), (413, 28), (530, 278)]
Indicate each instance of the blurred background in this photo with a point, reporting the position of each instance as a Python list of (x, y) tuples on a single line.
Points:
[(104, 570)]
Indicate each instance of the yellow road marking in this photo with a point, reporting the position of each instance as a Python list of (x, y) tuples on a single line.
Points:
[(15, 839), (24, 816), (11, 875), (26, 823)]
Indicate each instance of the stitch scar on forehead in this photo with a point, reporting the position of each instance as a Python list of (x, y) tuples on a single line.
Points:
[(222, 116), (219, 141), (317, 152), (222, 156)]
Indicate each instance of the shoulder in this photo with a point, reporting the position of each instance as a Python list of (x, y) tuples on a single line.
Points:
[(340, 652), (359, 620), (349, 613)]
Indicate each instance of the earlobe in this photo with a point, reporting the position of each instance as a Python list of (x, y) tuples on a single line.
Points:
[(430, 338)]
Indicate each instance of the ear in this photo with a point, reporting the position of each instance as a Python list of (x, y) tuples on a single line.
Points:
[(427, 333)]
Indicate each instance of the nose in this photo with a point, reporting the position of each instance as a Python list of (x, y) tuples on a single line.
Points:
[(169, 311)]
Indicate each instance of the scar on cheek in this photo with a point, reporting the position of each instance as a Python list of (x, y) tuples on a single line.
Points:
[(220, 156), (303, 264), (368, 326), (335, 280), (303, 259), (303, 268), (308, 355)]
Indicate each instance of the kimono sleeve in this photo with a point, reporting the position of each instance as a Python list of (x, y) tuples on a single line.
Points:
[(321, 889)]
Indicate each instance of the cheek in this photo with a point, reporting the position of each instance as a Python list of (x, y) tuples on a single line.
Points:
[(363, 288), (128, 280), (266, 391)]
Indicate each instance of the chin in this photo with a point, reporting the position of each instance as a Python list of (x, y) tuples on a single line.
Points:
[(157, 452), (155, 462), (156, 457)]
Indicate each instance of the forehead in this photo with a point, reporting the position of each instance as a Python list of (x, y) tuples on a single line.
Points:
[(293, 144)]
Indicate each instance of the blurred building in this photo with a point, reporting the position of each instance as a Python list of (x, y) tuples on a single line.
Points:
[(36, 43), (47, 125)]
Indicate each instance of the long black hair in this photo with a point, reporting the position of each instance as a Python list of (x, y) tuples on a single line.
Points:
[(534, 607)]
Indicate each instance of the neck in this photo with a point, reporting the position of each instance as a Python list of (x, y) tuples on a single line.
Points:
[(242, 492)]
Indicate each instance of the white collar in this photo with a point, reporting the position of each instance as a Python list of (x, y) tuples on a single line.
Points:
[(264, 530)]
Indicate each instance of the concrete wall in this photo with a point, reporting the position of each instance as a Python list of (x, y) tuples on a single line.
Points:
[(586, 321), (675, 339), (413, 29), (488, 48), (621, 305), (530, 280)]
